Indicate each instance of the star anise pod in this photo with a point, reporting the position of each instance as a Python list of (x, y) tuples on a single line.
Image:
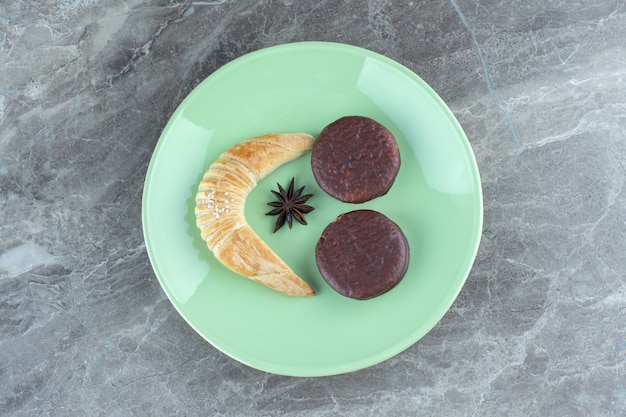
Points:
[(290, 205)]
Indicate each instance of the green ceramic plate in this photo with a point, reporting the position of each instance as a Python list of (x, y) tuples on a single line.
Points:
[(301, 87)]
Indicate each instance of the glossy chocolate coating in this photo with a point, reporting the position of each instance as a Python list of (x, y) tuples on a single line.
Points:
[(355, 159), (362, 254)]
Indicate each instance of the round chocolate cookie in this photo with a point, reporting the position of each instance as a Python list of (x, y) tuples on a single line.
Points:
[(362, 254), (355, 159)]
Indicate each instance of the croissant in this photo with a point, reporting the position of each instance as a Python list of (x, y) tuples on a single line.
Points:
[(220, 203)]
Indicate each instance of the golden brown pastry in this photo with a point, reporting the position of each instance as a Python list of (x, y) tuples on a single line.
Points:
[(220, 205)]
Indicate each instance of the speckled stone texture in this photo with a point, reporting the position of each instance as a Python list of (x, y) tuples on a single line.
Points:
[(86, 87)]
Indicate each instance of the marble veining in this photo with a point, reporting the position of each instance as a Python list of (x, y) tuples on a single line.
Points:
[(490, 88), (86, 87)]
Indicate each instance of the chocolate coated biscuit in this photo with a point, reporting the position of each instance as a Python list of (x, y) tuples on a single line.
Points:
[(362, 254), (355, 159)]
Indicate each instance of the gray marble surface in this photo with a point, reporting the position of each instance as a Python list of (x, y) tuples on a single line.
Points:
[(86, 86)]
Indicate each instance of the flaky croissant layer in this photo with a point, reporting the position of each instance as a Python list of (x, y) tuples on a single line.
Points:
[(220, 204)]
